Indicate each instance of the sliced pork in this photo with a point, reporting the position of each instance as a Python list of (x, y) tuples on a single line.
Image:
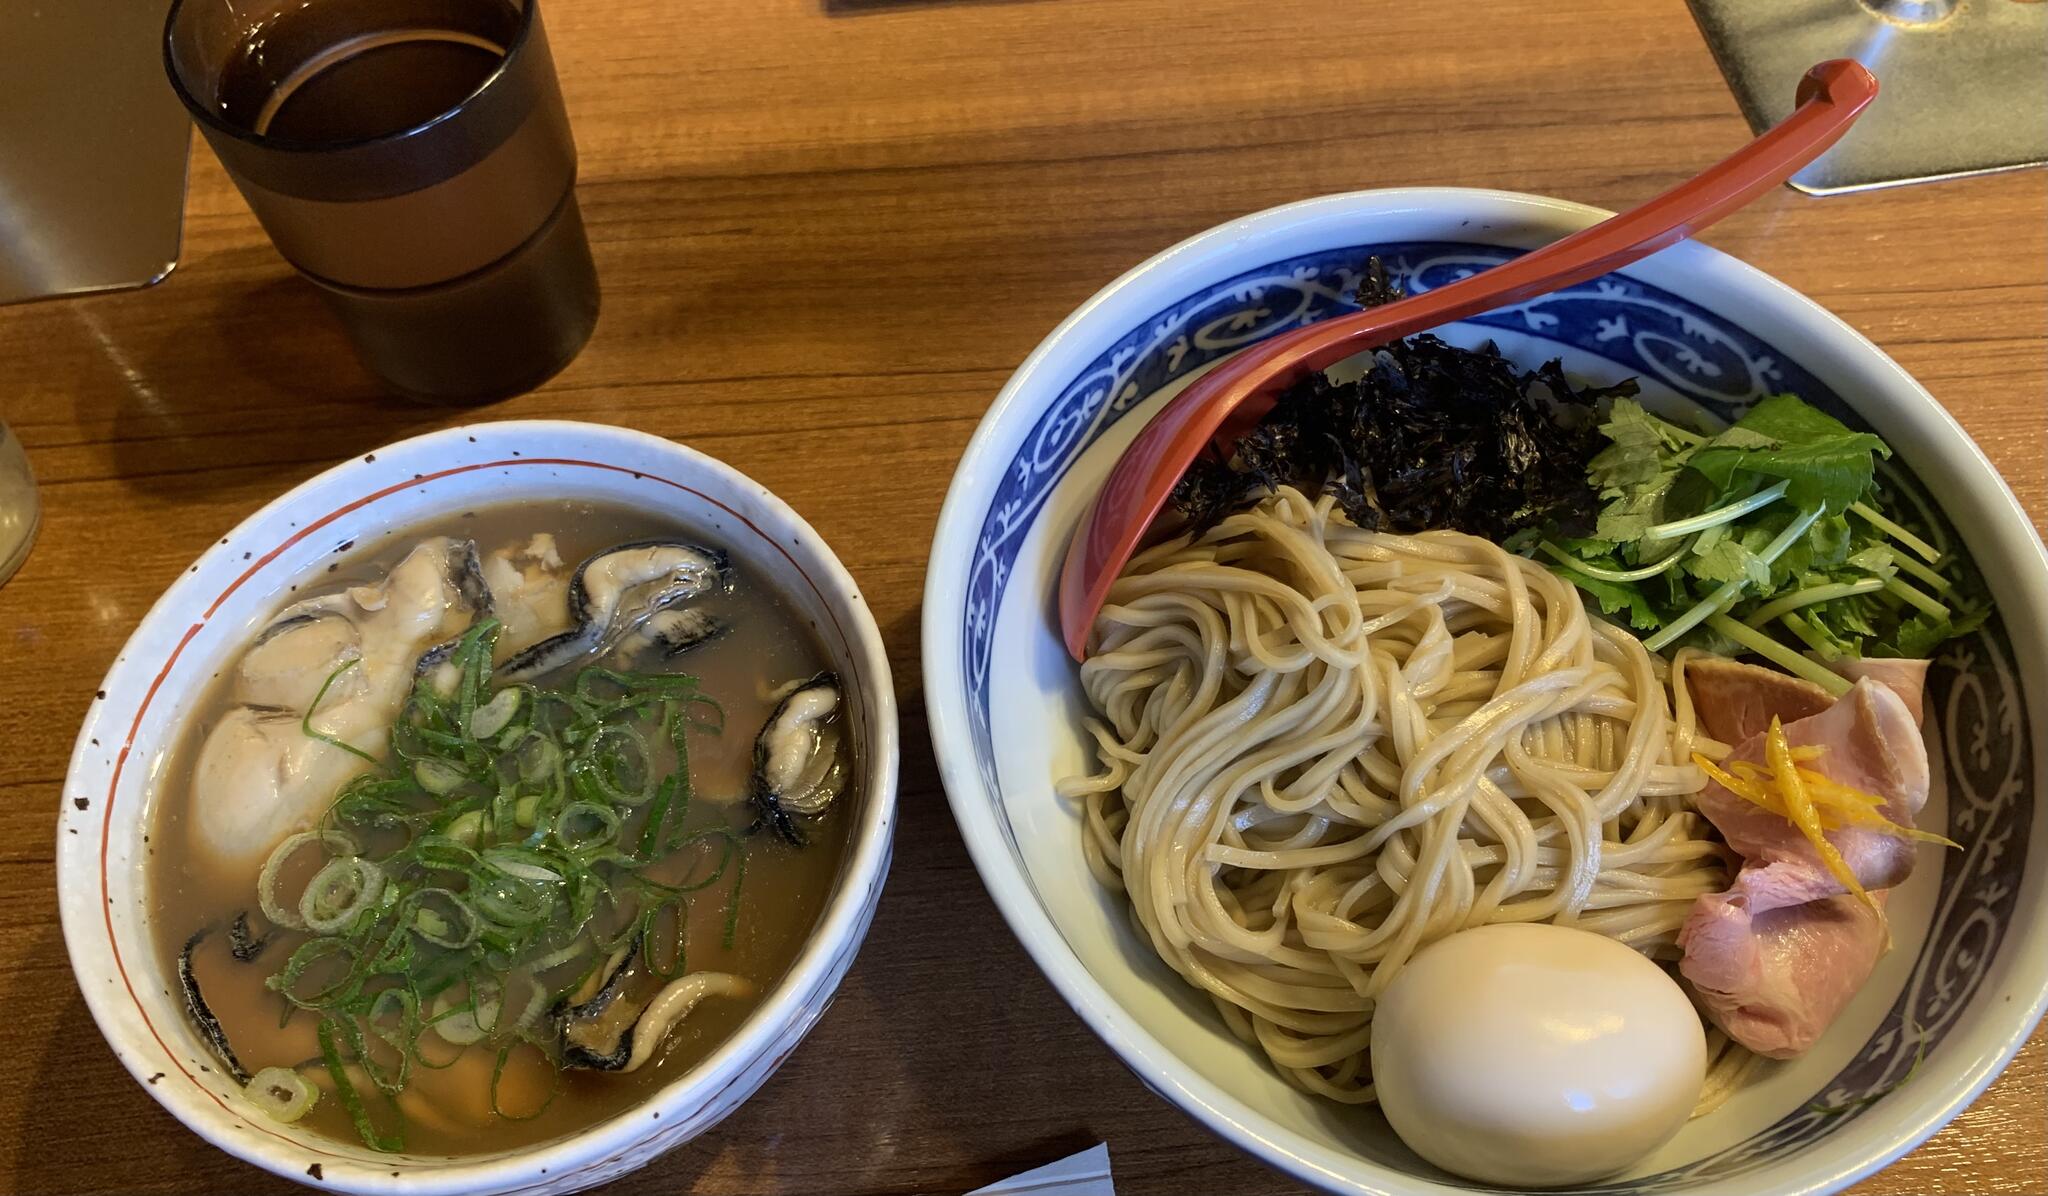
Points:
[(1776, 957), (1906, 678), (1735, 701), (1774, 977), (1870, 742)]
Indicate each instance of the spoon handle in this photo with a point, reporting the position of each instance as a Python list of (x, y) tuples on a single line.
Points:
[(1831, 96), (1226, 402)]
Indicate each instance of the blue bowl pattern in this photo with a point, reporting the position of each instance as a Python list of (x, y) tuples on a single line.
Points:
[(1707, 358)]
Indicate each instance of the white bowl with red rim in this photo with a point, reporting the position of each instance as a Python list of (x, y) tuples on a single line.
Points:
[(208, 616)]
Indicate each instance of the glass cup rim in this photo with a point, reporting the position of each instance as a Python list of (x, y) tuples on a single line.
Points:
[(210, 119)]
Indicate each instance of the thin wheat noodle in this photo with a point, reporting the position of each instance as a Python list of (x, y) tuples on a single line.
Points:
[(1321, 748)]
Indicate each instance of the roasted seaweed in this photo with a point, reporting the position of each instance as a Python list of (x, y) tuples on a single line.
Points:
[(1431, 436)]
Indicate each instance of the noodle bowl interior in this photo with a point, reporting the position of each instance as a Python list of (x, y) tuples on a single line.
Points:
[(1323, 747), (1434, 834), (1541, 881)]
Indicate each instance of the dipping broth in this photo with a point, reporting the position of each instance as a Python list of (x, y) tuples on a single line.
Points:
[(530, 921)]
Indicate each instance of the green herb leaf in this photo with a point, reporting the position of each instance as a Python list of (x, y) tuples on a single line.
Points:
[(1736, 494), (1615, 598), (1637, 470), (1828, 465)]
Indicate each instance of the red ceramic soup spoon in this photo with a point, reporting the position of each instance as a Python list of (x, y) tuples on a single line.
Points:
[(1220, 406)]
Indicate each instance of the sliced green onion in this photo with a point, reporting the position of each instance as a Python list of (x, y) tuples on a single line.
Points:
[(402, 1037), (1778, 654), (452, 925), (497, 1076), (585, 826), (466, 828), (657, 814), (389, 1077), (444, 854), (469, 1021), (1814, 640), (306, 722), (273, 907), (615, 749), (555, 959), (539, 757), (521, 863), (1874, 518), (649, 922), (309, 954), (524, 823), (281, 1094), (1811, 595), (493, 716), (510, 903), (439, 777), (351, 1100), (732, 900), (343, 888)]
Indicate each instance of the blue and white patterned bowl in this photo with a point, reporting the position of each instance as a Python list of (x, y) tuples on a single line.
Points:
[(1968, 977)]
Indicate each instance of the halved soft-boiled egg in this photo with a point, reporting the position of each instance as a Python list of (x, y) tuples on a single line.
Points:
[(1535, 1055)]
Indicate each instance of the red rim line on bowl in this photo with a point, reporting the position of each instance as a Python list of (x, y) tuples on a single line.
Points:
[(142, 713), (1222, 405)]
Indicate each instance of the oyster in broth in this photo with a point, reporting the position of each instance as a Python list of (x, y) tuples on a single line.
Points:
[(315, 696), (612, 597), (612, 1031), (800, 756)]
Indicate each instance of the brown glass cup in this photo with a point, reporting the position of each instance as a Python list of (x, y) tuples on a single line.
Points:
[(413, 159)]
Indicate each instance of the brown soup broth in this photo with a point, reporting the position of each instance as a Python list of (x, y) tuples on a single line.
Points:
[(447, 1109)]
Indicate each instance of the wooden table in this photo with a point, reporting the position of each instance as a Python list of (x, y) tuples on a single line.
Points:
[(828, 230)]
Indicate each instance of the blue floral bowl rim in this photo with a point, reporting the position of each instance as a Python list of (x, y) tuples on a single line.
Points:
[(1860, 1149)]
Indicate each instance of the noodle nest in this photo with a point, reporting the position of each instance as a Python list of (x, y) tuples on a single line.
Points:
[(1321, 748)]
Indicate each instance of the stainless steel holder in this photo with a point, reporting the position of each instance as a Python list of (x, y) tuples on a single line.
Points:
[(1965, 82)]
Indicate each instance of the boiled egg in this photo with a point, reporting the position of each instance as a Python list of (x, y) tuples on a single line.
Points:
[(1535, 1055)]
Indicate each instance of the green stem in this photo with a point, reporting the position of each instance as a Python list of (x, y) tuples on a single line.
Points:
[(1778, 654), (1798, 626), (1730, 590), (1716, 517), (1924, 575), (1871, 516), (1601, 573), (1915, 598), (1777, 607)]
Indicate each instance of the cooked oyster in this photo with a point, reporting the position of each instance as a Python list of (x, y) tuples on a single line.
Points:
[(614, 594), (675, 631), (610, 1031), (338, 665), (800, 757), (529, 593)]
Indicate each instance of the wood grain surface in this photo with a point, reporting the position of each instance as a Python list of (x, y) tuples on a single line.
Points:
[(827, 231)]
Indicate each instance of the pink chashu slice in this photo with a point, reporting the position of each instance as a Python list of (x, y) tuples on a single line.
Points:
[(1776, 957)]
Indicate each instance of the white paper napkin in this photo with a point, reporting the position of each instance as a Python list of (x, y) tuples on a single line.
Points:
[(1084, 1174)]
